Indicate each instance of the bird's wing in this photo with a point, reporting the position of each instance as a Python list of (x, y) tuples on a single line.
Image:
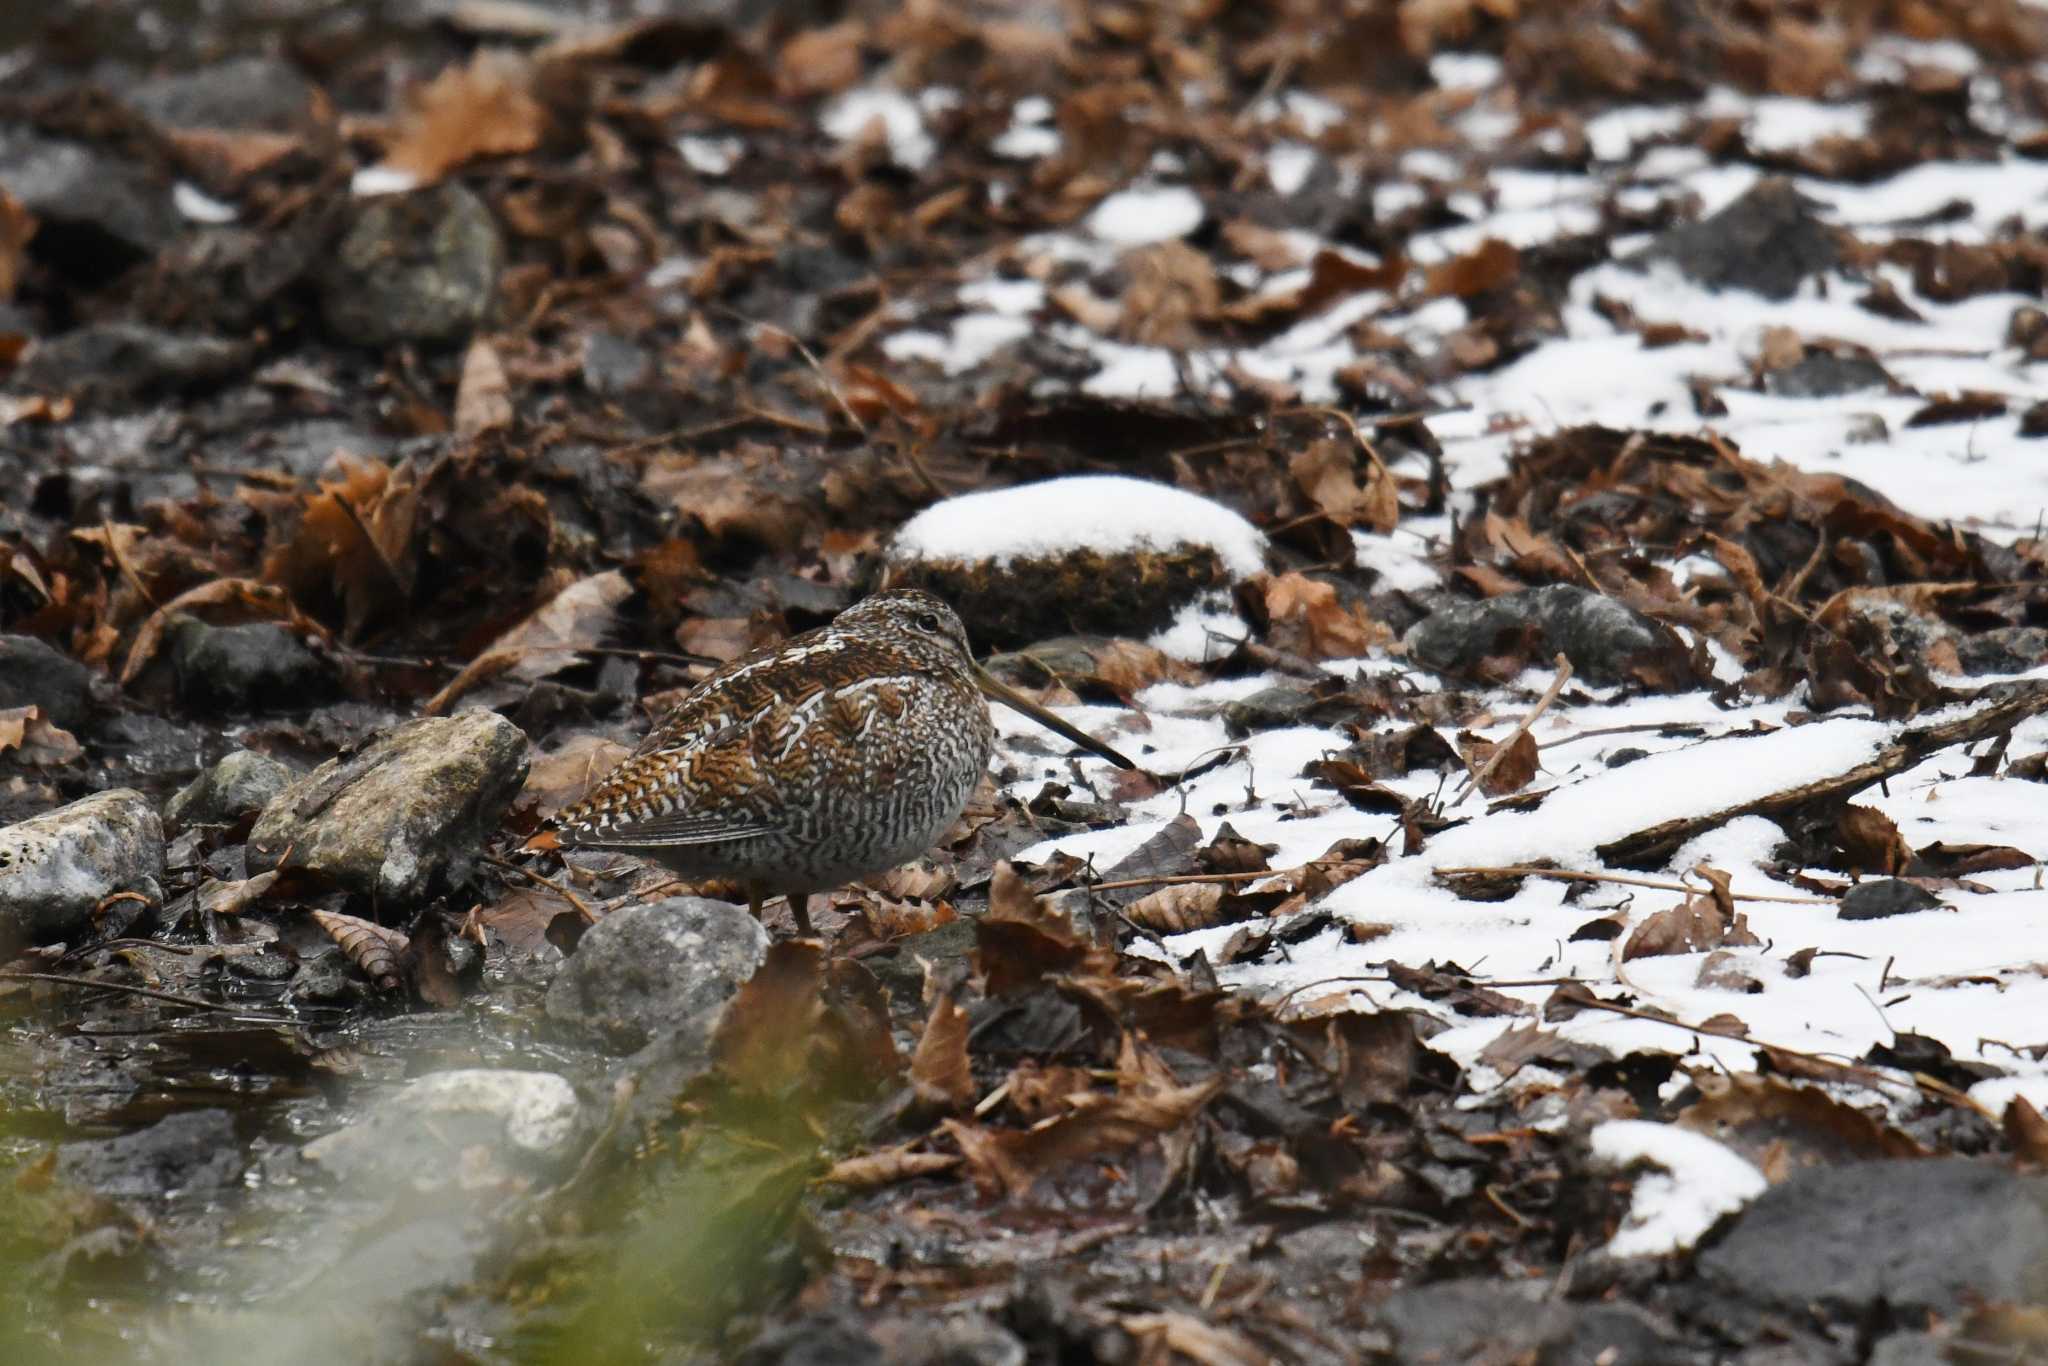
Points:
[(704, 790)]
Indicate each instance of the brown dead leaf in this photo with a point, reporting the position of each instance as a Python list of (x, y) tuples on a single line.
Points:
[(484, 109), (1022, 939), (1180, 908), (559, 778), (235, 897), (2026, 1131), (1489, 266), (872, 1171), (1306, 618), (940, 1072), (1173, 287), (353, 543), (1780, 1125), (579, 617), (1327, 473), (1012, 1161), (34, 740), (1871, 842), (1694, 927), (766, 1035), (17, 230), (821, 61), (483, 400), (1510, 772)]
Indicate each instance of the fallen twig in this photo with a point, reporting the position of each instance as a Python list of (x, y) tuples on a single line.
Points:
[(1625, 879), (1477, 780)]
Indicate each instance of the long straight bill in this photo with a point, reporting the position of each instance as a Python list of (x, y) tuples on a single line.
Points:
[(1017, 701)]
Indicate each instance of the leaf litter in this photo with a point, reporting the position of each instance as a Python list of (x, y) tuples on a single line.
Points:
[(1618, 706)]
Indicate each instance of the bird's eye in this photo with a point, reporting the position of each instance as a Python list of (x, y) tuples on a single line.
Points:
[(928, 622)]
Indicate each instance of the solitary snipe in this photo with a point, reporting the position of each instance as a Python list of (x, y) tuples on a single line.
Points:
[(835, 755)]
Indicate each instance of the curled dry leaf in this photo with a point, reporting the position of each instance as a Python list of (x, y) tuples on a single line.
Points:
[(371, 947), (484, 109), (579, 617), (223, 601), (2026, 1131), (1871, 842), (1022, 939), (1178, 909), (1326, 472), (33, 740), (483, 400), (1780, 1125), (235, 897), (871, 1171), (1509, 772), (765, 1038), (1694, 927), (940, 1072), (1012, 1161), (353, 543), (17, 228), (1307, 619)]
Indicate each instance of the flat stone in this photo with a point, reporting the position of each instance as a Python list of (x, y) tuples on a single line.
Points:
[(1605, 640), (527, 1121), (651, 965), (110, 362), (1886, 896), (400, 818), (1918, 1236), (98, 213), (417, 267), (56, 867), (193, 1151), (1768, 241)]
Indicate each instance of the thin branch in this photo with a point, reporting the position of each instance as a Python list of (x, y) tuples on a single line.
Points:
[(1477, 781), (590, 917), (169, 997), (1625, 879)]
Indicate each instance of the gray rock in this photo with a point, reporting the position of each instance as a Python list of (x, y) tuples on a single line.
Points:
[(418, 267), (528, 1122), (1270, 709), (253, 94), (1886, 896), (613, 365), (32, 674), (193, 1151), (1918, 1236), (1605, 640), (1477, 1320), (97, 213), (1766, 242), (239, 785), (1823, 374), (56, 867), (1910, 1349), (651, 965), (398, 818), (2003, 649), (109, 362), (256, 666)]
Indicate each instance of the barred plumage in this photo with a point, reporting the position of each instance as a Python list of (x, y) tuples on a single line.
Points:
[(837, 754)]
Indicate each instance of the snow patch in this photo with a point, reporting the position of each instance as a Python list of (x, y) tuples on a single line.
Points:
[(1111, 514)]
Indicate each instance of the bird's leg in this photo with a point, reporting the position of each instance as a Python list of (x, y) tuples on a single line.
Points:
[(799, 906), (754, 899)]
